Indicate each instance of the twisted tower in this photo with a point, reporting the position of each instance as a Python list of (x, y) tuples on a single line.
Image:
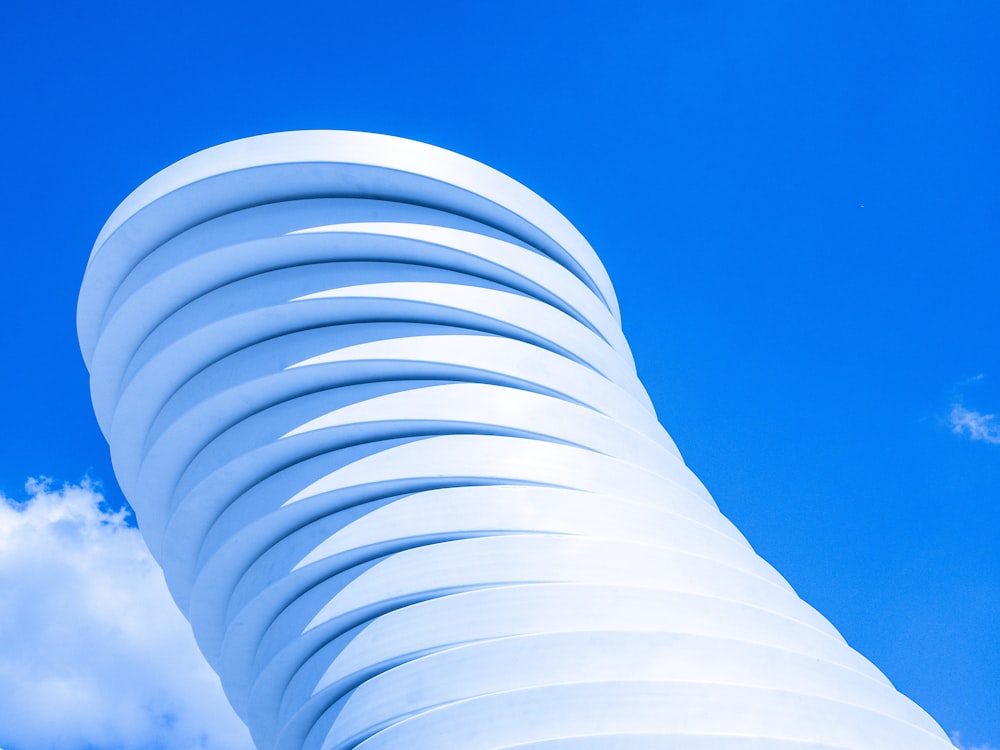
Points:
[(374, 410)]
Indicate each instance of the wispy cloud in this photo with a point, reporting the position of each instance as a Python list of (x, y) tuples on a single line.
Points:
[(956, 739), (977, 378), (93, 652), (974, 425)]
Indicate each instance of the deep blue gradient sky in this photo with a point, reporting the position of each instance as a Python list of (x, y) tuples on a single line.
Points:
[(797, 203)]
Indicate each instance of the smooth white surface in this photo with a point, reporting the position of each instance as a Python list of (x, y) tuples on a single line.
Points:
[(373, 407)]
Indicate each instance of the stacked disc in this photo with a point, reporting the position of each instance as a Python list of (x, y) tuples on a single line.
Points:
[(373, 407)]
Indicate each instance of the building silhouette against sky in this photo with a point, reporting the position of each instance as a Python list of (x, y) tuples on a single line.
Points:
[(374, 410)]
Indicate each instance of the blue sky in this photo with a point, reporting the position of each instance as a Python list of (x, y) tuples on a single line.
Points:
[(797, 203)]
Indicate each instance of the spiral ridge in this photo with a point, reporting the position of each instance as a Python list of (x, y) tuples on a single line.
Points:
[(374, 410)]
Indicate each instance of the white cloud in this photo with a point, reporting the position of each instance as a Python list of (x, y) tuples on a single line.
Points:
[(974, 425), (956, 739), (93, 652)]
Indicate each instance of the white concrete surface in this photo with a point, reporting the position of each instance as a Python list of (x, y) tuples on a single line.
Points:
[(374, 410)]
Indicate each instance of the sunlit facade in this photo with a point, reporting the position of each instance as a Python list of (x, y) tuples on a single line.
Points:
[(373, 407)]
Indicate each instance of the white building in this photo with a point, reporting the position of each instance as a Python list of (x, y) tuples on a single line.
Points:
[(374, 410)]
